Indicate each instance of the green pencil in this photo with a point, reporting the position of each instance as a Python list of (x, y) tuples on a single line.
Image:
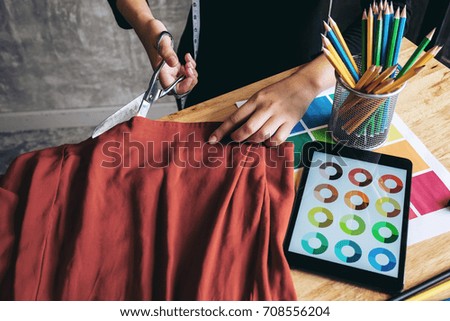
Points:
[(416, 53), (378, 39), (364, 42), (393, 39), (371, 123)]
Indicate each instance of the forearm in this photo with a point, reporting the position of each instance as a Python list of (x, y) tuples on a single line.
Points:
[(139, 15), (315, 76), (136, 12)]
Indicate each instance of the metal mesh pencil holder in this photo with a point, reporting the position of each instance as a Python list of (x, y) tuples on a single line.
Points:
[(361, 120)]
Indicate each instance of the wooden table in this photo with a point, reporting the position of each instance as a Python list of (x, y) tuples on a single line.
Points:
[(424, 106)]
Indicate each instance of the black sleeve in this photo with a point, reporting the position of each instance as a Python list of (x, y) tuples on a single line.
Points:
[(119, 18), (352, 34)]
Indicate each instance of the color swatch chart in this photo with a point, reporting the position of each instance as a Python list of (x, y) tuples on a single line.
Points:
[(430, 190), (351, 213)]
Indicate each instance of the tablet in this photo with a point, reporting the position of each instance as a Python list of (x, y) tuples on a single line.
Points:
[(350, 216)]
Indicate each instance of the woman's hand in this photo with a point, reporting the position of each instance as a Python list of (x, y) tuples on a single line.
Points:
[(270, 114), (148, 29), (173, 68)]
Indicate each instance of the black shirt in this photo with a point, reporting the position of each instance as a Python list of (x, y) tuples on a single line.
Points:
[(242, 41)]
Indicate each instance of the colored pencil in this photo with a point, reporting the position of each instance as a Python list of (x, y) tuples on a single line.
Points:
[(392, 40), (383, 84), (383, 76), (375, 10), (340, 50), (358, 119), (431, 53), (371, 123), (429, 294), (341, 71), (369, 49), (374, 75), (382, 34), (386, 23), (398, 82), (363, 80), (422, 286), (364, 42), (417, 53), (378, 39), (341, 40), (401, 30), (374, 31)]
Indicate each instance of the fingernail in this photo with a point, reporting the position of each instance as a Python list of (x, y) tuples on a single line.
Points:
[(212, 139)]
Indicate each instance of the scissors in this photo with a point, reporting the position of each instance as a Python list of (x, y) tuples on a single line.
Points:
[(141, 104)]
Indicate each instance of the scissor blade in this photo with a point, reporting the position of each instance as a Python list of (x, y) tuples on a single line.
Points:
[(123, 114)]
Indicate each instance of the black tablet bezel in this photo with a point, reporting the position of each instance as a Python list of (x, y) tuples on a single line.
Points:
[(344, 272)]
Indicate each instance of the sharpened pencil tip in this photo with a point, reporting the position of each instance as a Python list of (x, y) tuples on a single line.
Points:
[(431, 34), (404, 12)]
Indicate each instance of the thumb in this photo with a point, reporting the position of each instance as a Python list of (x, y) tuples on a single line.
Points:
[(167, 53)]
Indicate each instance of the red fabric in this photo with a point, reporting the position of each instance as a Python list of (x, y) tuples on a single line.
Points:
[(74, 225)]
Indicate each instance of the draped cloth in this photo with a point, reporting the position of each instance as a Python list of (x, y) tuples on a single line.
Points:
[(147, 211)]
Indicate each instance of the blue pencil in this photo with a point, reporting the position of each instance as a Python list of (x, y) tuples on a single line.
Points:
[(341, 52), (386, 25), (401, 30)]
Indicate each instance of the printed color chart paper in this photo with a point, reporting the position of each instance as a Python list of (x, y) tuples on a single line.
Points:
[(430, 189)]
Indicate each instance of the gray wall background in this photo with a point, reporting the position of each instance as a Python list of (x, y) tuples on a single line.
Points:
[(65, 54)]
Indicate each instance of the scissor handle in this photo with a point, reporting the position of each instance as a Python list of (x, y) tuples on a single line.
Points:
[(167, 90), (155, 76)]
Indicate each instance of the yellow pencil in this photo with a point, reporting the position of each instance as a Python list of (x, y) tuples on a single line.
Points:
[(431, 53), (342, 69), (399, 82), (428, 294), (343, 72), (341, 39), (369, 47), (422, 61), (382, 85), (363, 80), (374, 75), (383, 76)]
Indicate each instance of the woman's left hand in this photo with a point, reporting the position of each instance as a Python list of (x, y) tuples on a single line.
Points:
[(269, 115)]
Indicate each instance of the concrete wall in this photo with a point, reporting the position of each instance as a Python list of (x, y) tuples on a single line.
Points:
[(65, 54), (70, 54)]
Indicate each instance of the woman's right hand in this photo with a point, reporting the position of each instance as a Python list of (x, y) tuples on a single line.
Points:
[(173, 68)]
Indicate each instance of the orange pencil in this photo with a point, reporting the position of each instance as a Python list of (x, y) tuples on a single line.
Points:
[(383, 76), (399, 82), (363, 80)]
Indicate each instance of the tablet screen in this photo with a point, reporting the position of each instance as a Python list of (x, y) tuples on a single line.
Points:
[(351, 213)]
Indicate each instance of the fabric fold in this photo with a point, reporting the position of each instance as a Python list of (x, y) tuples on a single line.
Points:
[(147, 211)]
